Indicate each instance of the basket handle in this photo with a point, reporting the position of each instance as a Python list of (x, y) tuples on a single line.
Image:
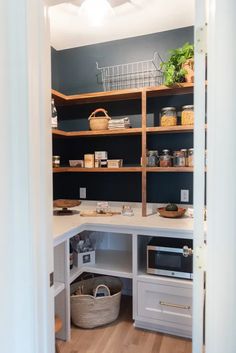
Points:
[(101, 286), (97, 111)]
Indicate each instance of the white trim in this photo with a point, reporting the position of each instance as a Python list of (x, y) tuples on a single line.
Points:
[(25, 188), (199, 173), (221, 188)]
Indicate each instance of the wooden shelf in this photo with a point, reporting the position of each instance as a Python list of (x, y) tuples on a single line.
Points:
[(124, 170), (169, 129), (97, 97), (141, 94), (181, 88), (169, 170), (120, 132), (124, 94), (97, 170), (108, 262)]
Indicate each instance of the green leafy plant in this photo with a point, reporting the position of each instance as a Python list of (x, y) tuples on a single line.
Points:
[(173, 70)]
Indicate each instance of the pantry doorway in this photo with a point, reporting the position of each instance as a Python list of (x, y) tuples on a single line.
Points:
[(26, 186)]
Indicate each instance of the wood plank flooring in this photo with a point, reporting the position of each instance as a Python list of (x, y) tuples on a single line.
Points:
[(122, 337)]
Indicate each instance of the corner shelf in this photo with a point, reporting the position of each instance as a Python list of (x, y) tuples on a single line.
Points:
[(108, 262), (124, 170), (97, 170), (124, 94), (142, 94), (120, 132)]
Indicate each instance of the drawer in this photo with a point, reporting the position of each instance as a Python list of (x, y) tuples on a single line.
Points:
[(165, 303)]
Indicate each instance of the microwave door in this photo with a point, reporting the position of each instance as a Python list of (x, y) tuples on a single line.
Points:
[(168, 259)]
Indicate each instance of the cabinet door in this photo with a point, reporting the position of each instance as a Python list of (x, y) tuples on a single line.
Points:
[(165, 303)]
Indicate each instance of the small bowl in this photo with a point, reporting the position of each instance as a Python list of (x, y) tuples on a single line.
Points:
[(171, 214)]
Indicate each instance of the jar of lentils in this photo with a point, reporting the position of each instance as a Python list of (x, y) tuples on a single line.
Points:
[(165, 159)]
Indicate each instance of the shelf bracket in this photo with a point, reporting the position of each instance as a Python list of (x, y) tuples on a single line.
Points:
[(200, 257), (201, 39)]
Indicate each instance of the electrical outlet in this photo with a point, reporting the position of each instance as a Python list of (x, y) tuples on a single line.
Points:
[(184, 195), (82, 193)]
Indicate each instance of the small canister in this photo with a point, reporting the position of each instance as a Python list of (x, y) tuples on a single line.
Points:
[(56, 161), (178, 159), (168, 116), (152, 158), (89, 160), (190, 157), (187, 115), (165, 159)]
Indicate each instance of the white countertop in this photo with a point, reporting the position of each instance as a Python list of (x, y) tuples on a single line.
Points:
[(67, 226)]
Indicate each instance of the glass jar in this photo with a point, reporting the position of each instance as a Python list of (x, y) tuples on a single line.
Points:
[(187, 115), (56, 161), (54, 122), (191, 157), (152, 158), (185, 152), (179, 159), (165, 159), (168, 116)]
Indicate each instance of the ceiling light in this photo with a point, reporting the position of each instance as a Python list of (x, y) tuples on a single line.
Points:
[(96, 11)]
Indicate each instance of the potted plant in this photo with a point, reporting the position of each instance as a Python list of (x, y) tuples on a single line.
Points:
[(179, 67)]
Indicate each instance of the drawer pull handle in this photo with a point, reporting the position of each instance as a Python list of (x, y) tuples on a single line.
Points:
[(187, 307)]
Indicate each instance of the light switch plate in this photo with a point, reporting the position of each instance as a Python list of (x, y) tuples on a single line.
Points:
[(184, 195), (82, 193)]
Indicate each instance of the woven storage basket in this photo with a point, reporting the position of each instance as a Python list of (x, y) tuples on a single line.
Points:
[(88, 311), (99, 122)]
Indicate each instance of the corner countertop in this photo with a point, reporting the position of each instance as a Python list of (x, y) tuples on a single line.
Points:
[(65, 227)]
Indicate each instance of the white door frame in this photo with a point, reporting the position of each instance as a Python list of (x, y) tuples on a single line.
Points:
[(221, 185), (27, 318), (26, 187)]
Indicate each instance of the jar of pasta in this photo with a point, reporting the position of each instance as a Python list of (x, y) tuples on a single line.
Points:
[(187, 115), (168, 116)]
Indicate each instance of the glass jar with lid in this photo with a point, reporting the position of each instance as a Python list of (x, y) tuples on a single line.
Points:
[(165, 159), (168, 116), (179, 159), (56, 161), (190, 157), (187, 115), (152, 158)]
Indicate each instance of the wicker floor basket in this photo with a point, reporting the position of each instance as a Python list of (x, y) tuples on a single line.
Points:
[(88, 311)]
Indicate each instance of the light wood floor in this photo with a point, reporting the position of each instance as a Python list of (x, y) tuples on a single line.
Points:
[(122, 337)]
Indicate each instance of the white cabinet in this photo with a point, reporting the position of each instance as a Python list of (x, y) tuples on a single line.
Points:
[(164, 305), (159, 303)]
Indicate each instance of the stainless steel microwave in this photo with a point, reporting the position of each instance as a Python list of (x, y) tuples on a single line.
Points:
[(170, 257)]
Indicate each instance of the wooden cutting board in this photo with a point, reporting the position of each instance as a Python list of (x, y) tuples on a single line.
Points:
[(95, 214)]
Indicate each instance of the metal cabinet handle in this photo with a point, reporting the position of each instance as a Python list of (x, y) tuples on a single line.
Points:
[(187, 307), (187, 251)]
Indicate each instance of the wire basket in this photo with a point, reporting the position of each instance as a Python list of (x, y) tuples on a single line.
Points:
[(131, 75)]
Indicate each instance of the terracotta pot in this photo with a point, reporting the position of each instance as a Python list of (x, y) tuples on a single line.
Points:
[(189, 67)]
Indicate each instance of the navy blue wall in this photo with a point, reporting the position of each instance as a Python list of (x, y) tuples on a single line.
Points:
[(77, 66), (73, 71)]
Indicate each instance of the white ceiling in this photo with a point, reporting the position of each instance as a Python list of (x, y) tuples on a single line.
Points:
[(71, 28)]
